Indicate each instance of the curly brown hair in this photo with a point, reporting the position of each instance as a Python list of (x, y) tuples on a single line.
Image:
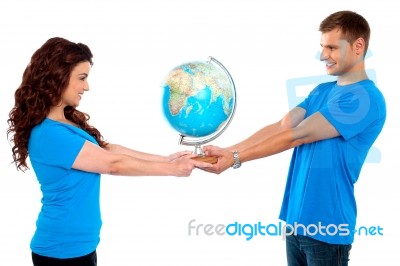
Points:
[(43, 82)]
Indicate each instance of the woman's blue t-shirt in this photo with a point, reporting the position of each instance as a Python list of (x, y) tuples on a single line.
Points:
[(69, 222)]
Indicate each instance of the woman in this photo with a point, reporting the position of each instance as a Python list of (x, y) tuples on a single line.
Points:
[(68, 155)]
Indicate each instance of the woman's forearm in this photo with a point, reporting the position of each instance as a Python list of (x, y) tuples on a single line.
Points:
[(116, 148)]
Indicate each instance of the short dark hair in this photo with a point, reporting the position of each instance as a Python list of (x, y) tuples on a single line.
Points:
[(352, 25)]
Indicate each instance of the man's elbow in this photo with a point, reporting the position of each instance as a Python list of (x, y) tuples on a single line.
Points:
[(301, 136)]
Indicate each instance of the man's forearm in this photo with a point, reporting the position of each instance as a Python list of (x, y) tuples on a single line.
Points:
[(273, 144), (258, 137)]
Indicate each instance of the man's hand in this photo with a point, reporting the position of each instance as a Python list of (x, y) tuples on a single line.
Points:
[(225, 159)]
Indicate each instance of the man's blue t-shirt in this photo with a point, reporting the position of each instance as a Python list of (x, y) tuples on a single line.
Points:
[(319, 195), (69, 222)]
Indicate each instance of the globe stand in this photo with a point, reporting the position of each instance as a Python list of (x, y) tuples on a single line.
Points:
[(199, 152), (202, 157)]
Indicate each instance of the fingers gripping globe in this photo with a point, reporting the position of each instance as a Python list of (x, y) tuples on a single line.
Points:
[(199, 101)]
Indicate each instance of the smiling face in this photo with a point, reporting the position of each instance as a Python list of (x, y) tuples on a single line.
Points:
[(77, 85), (340, 56)]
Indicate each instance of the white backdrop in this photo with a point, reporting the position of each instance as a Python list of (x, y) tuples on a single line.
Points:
[(263, 44)]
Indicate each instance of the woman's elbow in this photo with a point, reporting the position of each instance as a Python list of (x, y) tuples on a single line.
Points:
[(113, 167)]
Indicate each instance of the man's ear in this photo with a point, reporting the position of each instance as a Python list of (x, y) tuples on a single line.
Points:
[(359, 46)]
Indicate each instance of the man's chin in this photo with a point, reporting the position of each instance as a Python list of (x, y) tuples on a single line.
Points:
[(332, 73)]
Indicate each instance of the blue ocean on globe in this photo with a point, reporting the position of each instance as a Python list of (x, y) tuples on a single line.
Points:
[(200, 116), (198, 99)]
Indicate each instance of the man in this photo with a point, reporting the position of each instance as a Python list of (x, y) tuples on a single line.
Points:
[(331, 132)]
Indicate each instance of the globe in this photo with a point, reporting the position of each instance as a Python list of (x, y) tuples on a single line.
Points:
[(199, 100)]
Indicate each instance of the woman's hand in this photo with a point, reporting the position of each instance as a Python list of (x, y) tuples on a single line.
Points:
[(177, 155)]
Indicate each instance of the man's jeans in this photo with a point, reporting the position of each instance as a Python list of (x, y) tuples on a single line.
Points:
[(303, 250)]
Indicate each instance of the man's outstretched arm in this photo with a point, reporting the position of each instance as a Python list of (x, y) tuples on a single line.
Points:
[(291, 131)]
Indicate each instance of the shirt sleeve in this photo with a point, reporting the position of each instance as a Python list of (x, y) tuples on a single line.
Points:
[(352, 111), (307, 101), (60, 146)]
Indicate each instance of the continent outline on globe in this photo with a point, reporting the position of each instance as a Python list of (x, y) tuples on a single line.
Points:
[(199, 98)]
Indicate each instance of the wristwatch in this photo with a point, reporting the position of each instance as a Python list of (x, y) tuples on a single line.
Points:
[(236, 160)]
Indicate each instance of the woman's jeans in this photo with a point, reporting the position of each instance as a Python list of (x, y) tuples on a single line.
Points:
[(87, 260)]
